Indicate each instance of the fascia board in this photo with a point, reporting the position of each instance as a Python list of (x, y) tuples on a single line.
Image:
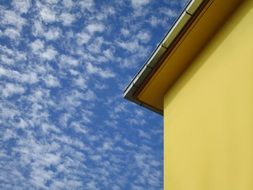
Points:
[(135, 85)]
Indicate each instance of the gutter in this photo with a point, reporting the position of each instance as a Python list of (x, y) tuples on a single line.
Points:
[(131, 91)]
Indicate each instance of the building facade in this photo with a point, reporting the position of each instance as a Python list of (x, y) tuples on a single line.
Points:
[(200, 78)]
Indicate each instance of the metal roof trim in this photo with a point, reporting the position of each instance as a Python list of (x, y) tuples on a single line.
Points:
[(193, 6), (176, 29), (158, 53)]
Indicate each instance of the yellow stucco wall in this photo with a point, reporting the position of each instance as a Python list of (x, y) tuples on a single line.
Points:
[(208, 114)]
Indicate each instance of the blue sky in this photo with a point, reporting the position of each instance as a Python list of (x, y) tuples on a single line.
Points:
[(63, 67)]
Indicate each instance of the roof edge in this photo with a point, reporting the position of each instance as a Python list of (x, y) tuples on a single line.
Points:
[(153, 61)]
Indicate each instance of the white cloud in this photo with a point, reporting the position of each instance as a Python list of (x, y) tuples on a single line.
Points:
[(37, 28), (91, 185), (139, 3), (49, 33), (7, 50), (100, 86), (96, 45), (105, 13), (12, 18), (139, 113), (51, 2), (30, 78), (49, 54), (108, 53), (26, 77), (86, 4), (20, 56), (89, 95), (73, 72), (68, 60), (51, 159), (79, 129), (40, 176), (47, 15), (71, 101), (37, 45), (12, 33), (144, 134), (171, 13), (95, 27), (6, 72), (131, 46), (91, 69), (67, 19), (46, 128), (52, 33), (6, 60), (21, 5), (68, 4), (82, 38), (154, 21), (12, 89), (51, 81), (125, 32), (144, 36), (81, 82)]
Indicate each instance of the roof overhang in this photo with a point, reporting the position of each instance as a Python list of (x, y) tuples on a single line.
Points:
[(196, 25)]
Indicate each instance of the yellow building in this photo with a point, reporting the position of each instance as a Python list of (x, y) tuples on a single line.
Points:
[(200, 78)]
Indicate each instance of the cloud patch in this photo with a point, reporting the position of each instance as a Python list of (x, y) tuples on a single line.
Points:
[(11, 89), (139, 3), (104, 73)]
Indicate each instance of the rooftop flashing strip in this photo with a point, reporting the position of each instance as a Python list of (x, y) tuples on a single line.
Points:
[(193, 6), (185, 17), (156, 56), (159, 52)]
